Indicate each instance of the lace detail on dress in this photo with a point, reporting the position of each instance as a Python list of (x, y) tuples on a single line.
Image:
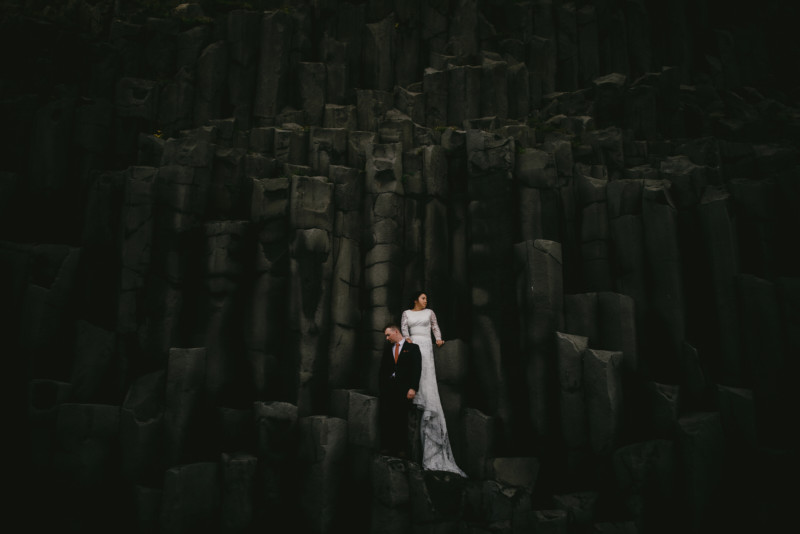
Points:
[(435, 327), (436, 451)]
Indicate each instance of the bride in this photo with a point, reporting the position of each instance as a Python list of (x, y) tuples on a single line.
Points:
[(416, 325)]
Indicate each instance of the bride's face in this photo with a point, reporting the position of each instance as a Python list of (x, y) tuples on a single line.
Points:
[(422, 301)]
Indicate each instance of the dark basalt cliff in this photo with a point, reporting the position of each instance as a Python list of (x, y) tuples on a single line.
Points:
[(209, 211)]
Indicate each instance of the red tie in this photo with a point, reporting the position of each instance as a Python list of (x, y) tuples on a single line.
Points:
[(396, 349)]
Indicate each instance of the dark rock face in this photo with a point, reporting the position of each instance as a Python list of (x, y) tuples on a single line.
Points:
[(209, 213)]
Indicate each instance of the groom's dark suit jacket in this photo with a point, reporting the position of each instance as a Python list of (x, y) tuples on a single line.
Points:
[(396, 379)]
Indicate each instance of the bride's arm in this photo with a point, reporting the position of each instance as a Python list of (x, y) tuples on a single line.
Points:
[(404, 326), (437, 333)]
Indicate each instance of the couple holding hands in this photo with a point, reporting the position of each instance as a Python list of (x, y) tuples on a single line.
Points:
[(408, 379)]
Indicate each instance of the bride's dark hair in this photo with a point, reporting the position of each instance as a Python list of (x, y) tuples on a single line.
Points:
[(414, 296)]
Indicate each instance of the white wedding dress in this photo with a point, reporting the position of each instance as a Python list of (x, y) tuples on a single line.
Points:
[(436, 452)]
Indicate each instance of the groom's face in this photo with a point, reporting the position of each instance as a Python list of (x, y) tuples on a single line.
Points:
[(392, 335)]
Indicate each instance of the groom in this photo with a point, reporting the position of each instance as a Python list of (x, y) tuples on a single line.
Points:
[(401, 365)]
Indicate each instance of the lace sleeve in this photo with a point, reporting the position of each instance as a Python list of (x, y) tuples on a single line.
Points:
[(404, 325), (435, 327)]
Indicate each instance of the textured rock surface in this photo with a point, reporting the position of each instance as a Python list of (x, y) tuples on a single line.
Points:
[(209, 213)]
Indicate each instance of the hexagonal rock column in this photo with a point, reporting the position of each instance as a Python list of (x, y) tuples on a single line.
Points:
[(142, 430), (276, 479), (371, 107), (436, 97), (327, 146), (607, 320), (186, 377), (137, 237), (701, 454), (85, 453), (210, 82), (540, 300), (538, 194), (228, 196), (737, 409), (44, 398), (321, 457), (594, 234), (542, 59), (567, 42), (244, 40), (96, 372), (602, 382), (572, 403), (665, 327), (492, 503), (272, 76), (479, 442), (311, 79), (383, 246), (379, 54), (224, 265), (580, 507), (514, 471), (626, 235), (550, 521), (587, 43), (435, 232), (494, 88), (720, 236), (464, 94), (361, 412), (265, 329), (452, 366), (346, 280), (238, 476), (191, 498), (390, 495), (147, 508), (46, 306), (645, 477), (661, 402), (490, 161), (310, 270), (766, 359), (181, 197)]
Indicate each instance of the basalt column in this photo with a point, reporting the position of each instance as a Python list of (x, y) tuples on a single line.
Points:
[(45, 325), (275, 505), (138, 212), (86, 448), (181, 197), (594, 234), (665, 321), (383, 245), (348, 187), (540, 300), (490, 161), (435, 233), (142, 430), (273, 70), (310, 269), (265, 336), (244, 32), (626, 234), (221, 332), (572, 402)]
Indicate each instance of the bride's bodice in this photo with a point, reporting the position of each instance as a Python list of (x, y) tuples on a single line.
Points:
[(419, 324)]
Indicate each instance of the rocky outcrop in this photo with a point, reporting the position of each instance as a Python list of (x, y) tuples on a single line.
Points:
[(208, 220)]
